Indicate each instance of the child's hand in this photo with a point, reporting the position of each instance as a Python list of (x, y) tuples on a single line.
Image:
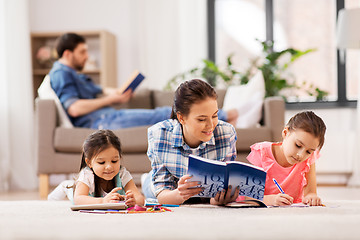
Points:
[(113, 196), (279, 199), (130, 199), (224, 196), (312, 199)]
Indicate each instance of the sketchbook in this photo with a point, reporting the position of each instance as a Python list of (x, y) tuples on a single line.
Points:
[(296, 205), (133, 82), (101, 206), (216, 176)]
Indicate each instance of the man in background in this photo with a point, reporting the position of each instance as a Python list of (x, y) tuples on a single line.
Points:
[(81, 99), (80, 96)]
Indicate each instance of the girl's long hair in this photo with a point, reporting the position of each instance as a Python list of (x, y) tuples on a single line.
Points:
[(93, 145), (309, 122)]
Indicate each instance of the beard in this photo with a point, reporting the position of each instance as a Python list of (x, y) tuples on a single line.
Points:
[(78, 65)]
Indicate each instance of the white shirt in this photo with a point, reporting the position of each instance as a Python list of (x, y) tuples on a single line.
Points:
[(86, 176)]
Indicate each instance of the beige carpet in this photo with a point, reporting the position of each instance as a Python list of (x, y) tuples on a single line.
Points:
[(55, 220)]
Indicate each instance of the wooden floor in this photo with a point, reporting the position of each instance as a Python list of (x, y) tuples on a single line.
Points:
[(326, 193)]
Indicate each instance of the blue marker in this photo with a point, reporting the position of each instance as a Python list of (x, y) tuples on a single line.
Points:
[(278, 186), (170, 205)]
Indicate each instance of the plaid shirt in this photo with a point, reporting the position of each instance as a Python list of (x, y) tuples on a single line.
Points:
[(169, 153)]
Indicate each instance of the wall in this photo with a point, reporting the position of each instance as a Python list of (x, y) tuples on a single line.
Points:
[(338, 153), (160, 38)]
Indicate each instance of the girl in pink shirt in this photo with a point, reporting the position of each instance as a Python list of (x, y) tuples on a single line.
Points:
[(292, 161)]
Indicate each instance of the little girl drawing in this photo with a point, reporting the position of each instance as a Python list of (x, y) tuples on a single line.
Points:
[(101, 179), (292, 161)]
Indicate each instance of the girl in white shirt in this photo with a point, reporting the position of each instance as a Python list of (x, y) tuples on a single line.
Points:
[(102, 179)]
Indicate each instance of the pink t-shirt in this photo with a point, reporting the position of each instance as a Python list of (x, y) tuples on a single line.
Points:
[(291, 179)]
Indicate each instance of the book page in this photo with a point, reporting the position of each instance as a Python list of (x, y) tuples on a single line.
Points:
[(251, 179), (296, 205), (119, 205), (211, 174)]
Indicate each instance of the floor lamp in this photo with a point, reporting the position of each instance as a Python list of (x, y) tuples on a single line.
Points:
[(348, 37)]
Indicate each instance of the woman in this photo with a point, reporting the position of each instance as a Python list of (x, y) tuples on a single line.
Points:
[(194, 128)]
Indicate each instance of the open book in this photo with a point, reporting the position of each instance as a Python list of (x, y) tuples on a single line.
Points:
[(216, 176), (133, 82), (101, 206)]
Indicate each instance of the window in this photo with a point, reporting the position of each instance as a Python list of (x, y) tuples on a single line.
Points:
[(302, 24), (302, 27), (352, 62), (233, 33)]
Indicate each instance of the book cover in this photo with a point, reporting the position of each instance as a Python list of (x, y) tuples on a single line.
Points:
[(215, 176), (133, 82)]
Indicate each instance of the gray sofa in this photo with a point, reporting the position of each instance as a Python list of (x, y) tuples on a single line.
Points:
[(58, 149)]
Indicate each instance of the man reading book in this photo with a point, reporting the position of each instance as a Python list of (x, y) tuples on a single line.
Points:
[(79, 95)]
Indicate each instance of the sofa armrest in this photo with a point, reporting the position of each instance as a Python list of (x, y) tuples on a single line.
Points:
[(274, 114), (46, 121)]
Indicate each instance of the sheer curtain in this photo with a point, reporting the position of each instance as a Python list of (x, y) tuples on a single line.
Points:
[(17, 158)]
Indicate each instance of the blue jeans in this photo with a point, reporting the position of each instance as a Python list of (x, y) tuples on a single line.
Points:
[(126, 118), (146, 187)]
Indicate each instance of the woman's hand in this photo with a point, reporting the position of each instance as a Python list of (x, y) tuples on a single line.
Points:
[(113, 196), (278, 200), (130, 199), (187, 189), (223, 197), (312, 199)]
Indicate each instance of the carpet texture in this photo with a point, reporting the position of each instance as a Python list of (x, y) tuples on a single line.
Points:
[(55, 220)]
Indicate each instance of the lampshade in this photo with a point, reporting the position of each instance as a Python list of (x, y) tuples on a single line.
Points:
[(348, 30)]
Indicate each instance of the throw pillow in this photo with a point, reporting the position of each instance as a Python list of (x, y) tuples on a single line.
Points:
[(45, 91), (248, 100)]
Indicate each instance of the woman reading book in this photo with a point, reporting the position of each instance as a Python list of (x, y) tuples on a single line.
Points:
[(194, 128)]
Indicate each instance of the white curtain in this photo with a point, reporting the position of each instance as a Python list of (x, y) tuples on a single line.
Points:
[(17, 158), (172, 38)]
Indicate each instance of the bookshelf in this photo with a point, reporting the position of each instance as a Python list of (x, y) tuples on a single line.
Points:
[(101, 65)]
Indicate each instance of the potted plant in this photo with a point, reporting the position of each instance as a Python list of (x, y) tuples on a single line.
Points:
[(268, 63)]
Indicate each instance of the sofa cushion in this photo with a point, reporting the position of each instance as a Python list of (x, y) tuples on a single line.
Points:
[(221, 95), (45, 91), (248, 136), (133, 140), (162, 98), (141, 99)]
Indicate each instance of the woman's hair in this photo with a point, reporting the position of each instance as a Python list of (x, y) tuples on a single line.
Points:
[(190, 92), (68, 41), (96, 143), (309, 122)]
